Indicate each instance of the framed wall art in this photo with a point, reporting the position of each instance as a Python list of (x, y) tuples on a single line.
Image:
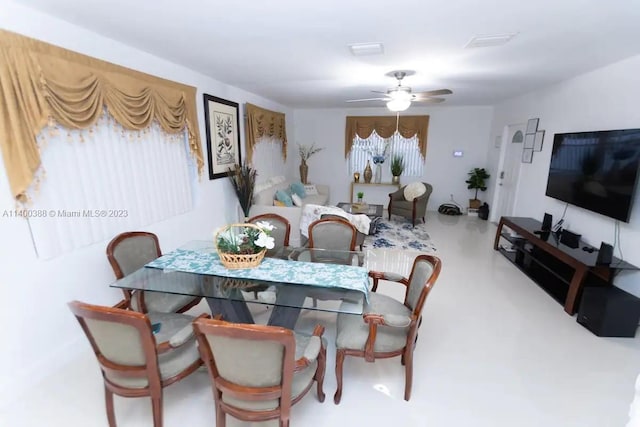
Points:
[(527, 155), (537, 146), (529, 140), (222, 124), (532, 125)]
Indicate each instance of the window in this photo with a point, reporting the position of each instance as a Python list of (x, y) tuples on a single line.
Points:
[(101, 181), (362, 149)]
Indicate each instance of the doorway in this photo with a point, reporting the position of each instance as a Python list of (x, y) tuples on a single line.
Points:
[(506, 184)]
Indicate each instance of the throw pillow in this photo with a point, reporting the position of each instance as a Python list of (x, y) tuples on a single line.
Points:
[(285, 198), (298, 189), (310, 189), (296, 200), (413, 190), (278, 203)]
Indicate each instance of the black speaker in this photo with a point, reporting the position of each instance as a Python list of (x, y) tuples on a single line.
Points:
[(605, 254), (546, 222), (570, 238), (609, 312)]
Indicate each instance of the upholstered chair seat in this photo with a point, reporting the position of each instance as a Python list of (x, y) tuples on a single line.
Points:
[(352, 332), (387, 328)]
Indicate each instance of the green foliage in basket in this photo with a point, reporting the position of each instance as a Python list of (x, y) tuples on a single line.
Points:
[(246, 240)]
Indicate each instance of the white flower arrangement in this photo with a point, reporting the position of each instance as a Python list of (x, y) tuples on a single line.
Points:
[(246, 240)]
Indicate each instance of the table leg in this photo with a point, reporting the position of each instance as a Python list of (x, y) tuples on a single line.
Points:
[(287, 308), (231, 310)]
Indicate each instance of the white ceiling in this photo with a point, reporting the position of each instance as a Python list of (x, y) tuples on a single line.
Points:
[(296, 52)]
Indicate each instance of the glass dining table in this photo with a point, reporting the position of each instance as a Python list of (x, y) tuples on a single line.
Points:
[(293, 280)]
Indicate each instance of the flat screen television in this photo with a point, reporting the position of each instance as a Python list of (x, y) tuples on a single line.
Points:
[(597, 171)]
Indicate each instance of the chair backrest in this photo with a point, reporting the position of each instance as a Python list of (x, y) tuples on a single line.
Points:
[(425, 272), (332, 233), (123, 343), (250, 366), (280, 233), (129, 251)]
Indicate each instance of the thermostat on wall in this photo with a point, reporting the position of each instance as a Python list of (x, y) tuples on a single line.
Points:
[(457, 153)]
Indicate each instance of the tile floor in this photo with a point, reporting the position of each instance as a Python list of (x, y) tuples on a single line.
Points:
[(494, 350)]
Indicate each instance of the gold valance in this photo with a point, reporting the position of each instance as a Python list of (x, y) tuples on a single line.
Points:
[(41, 82), (261, 122), (385, 126)]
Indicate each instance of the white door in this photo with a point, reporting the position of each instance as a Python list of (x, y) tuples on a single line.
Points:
[(508, 171)]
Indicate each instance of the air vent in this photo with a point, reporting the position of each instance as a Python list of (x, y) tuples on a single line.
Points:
[(489, 40), (362, 49)]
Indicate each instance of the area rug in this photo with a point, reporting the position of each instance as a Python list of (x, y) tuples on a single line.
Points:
[(400, 233)]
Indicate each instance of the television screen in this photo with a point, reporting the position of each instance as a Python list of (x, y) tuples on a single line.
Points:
[(596, 170)]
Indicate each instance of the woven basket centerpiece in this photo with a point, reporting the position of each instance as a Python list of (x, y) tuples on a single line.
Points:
[(245, 253)]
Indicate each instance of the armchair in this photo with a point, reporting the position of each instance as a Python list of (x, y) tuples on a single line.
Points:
[(399, 205), (134, 361), (388, 327), (258, 372)]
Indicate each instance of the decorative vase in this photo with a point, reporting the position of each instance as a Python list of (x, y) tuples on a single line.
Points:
[(395, 179), (356, 177), (368, 173), (304, 172), (378, 178)]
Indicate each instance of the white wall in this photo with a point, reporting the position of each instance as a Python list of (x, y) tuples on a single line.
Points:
[(450, 128), (603, 99), (39, 331)]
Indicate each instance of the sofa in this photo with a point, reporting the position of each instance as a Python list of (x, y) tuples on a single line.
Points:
[(263, 202)]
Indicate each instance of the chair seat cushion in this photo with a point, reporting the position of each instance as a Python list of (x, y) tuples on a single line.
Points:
[(352, 331), (413, 190), (162, 302)]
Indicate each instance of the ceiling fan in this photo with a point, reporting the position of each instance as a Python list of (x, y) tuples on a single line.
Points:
[(399, 98)]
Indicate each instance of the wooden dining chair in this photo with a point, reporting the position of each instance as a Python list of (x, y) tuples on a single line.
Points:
[(388, 327), (280, 233), (130, 251), (258, 372), (332, 233), (135, 361)]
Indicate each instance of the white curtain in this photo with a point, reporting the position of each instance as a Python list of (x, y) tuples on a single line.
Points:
[(267, 158), (397, 145), (102, 181)]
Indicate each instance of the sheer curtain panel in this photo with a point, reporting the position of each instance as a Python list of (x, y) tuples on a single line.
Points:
[(100, 181)]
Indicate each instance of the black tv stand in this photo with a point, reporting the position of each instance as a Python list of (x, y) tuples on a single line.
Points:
[(560, 270)]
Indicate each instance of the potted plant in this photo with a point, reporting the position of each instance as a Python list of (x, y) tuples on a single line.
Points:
[(397, 167), (360, 196), (477, 181), (243, 179)]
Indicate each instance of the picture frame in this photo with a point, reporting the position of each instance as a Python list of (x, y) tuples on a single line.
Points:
[(222, 123), (537, 146), (529, 140), (497, 141), (527, 155), (532, 125)]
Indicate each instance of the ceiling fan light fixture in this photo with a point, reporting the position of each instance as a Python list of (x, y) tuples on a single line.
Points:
[(398, 104)]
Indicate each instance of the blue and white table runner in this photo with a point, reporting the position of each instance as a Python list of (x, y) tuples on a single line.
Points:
[(271, 269)]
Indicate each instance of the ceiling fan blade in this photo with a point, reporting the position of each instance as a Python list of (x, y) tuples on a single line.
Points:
[(367, 99), (434, 92), (380, 91), (429, 100)]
